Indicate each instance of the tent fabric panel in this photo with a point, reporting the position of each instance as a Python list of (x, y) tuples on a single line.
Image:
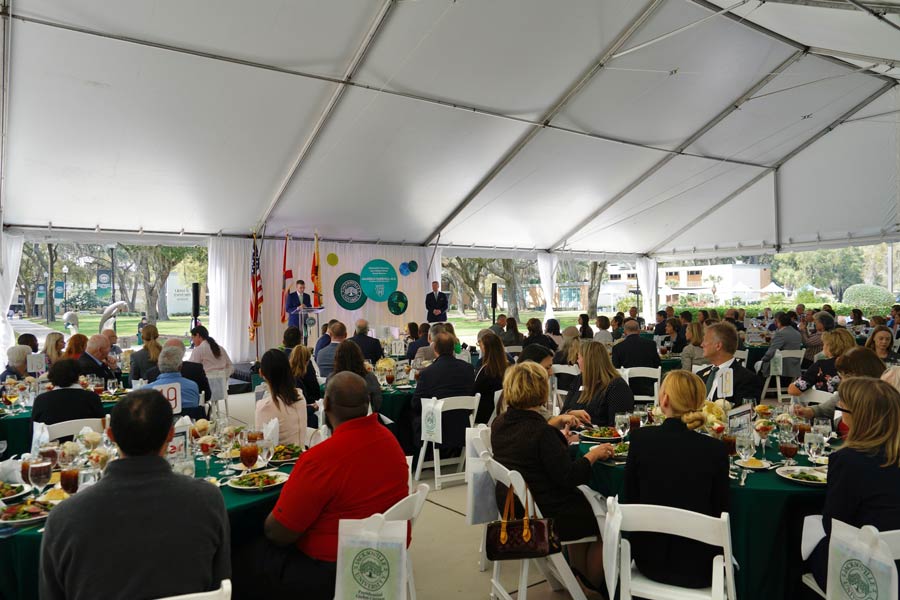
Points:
[(390, 168), (663, 93), (306, 35), (779, 119), (125, 136), (510, 56), (847, 183), (557, 175)]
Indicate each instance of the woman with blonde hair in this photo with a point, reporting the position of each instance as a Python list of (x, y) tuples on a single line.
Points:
[(670, 465), (76, 346), (522, 440), (864, 475), (600, 389), (305, 378), (692, 353), (54, 346), (146, 357), (822, 375)]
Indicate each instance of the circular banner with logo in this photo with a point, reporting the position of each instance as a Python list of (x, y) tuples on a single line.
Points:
[(397, 303), (413, 266), (332, 259), (378, 279), (348, 292), (404, 269)]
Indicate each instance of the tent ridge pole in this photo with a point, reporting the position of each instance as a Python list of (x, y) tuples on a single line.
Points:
[(732, 106), (544, 121), (776, 197), (361, 52)]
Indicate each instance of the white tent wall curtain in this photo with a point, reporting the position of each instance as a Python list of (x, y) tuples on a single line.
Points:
[(547, 263), (9, 273), (648, 279), (229, 284)]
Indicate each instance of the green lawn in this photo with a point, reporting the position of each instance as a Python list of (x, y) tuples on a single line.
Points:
[(126, 326), (468, 327)]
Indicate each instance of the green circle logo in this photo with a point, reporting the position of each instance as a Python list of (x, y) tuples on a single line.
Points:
[(370, 569), (332, 259), (348, 292), (858, 581), (413, 266), (397, 303), (378, 279)]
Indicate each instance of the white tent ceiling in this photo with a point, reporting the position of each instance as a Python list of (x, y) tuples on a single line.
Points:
[(578, 126)]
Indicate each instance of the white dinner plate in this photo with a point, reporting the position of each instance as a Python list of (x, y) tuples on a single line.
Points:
[(819, 460), (281, 477), (403, 387), (12, 499), (786, 472), (743, 464)]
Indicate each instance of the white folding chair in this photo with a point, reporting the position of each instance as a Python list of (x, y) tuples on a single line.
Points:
[(218, 397), (319, 377), (796, 356), (58, 430), (514, 350), (172, 393), (494, 415), (468, 403), (223, 593), (652, 518), (566, 370), (646, 373), (812, 397), (896, 344), (743, 356), (697, 368), (554, 567), (891, 538), (409, 509)]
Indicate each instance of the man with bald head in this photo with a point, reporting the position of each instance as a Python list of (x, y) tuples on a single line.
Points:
[(357, 472), (371, 348), (189, 370), (93, 361)]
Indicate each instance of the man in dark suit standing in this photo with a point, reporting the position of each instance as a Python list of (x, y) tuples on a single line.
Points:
[(437, 303), (295, 300), (720, 342), (371, 348), (93, 361), (446, 377), (635, 351)]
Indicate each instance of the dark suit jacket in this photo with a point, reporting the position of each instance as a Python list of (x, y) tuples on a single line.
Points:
[(635, 351), (440, 303), (88, 366), (189, 370), (672, 466), (292, 303), (659, 328), (371, 348), (746, 383), (445, 377), (487, 386), (413, 347), (66, 404)]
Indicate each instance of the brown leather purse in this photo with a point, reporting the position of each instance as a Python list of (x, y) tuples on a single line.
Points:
[(516, 539)]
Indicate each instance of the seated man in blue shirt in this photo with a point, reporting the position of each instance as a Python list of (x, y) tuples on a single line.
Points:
[(169, 363)]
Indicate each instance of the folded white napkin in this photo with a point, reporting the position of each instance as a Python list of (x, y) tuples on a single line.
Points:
[(270, 431), (813, 532), (11, 471)]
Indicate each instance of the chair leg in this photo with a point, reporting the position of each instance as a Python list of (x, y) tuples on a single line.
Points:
[(462, 461), (421, 459), (410, 580), (482, 559), (762, 398), (564, 573), (522, 590), (546, 570), (437, 468)]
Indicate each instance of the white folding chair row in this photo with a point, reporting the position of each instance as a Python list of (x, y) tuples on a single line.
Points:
[(652, 518), (467, 403), (66, 428), (786, 355), (223, 593)]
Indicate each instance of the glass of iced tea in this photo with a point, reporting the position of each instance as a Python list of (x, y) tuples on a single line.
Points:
[(389, 377), (68, 479), (634, 421), (26, 462), (730, 441), (50, 452), (39, 474), (788, 447), (254, 436), (801, 428), (249, 455)]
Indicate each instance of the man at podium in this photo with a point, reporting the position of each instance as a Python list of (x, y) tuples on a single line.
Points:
[(294, 301)]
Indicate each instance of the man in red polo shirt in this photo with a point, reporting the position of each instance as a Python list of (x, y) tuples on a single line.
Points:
[(360, 470)]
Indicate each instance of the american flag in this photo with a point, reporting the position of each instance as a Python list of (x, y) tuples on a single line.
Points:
[(256, 290)]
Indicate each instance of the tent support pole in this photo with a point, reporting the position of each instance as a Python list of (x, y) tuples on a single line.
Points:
[(683, 146), (571, 92), (875, 13), (5, 9), (363, 49), (776, 198), (890, 267), (841, 4)]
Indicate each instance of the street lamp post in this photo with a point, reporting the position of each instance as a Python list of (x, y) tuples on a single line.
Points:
[(47, 297), (65, 271)]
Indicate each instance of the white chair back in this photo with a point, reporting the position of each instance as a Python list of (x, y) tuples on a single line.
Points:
[(896, 344), (468, 403), (494, 415), (742, 355), (514, 349), (410, 507), (58, 430), (697, 368), (223, 593), (566, 370), (218, 386), (645, 373), (812, 397), (172, 393), (314, 436)]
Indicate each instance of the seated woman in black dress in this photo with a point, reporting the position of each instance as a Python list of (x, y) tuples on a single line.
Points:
[(489, 378), (822, 375), (671, 465), (600, 389), (305, 377), (536, 336), (68, 401), (523, 441), (864, 475)]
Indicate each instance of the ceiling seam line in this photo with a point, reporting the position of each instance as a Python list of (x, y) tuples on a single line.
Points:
[(361, 52), (846, 115), (567, 95), (721, 116)]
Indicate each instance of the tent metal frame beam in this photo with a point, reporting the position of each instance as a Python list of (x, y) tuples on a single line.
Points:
[(776, 201), (723, 114), (573, 90), (777, 167), (881, 60), (877, 13), (361, 52), (5, 64), (881, 7)]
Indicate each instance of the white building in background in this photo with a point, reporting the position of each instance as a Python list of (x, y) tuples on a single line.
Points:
[(737, 281)]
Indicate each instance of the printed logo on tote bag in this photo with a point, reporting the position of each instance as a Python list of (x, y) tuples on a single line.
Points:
[(858, 581)]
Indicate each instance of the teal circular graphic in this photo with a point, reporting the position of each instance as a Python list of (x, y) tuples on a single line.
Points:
[(404, 269), (413, 266), (378, 280), (397, 303), (348, 292)]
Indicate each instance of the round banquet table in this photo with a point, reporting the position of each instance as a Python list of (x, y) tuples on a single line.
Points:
[(16, 430), (20, 553), (766, 524), (396, 403)]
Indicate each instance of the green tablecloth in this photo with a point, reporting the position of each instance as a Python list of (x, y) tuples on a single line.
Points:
[(669, 364), (766, 522), (20, 554), (16, 430)]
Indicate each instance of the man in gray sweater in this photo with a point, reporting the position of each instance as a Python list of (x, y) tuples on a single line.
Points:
[(142, 531)]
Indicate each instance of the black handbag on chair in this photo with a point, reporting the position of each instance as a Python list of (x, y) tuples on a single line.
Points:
[(517, 539)]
